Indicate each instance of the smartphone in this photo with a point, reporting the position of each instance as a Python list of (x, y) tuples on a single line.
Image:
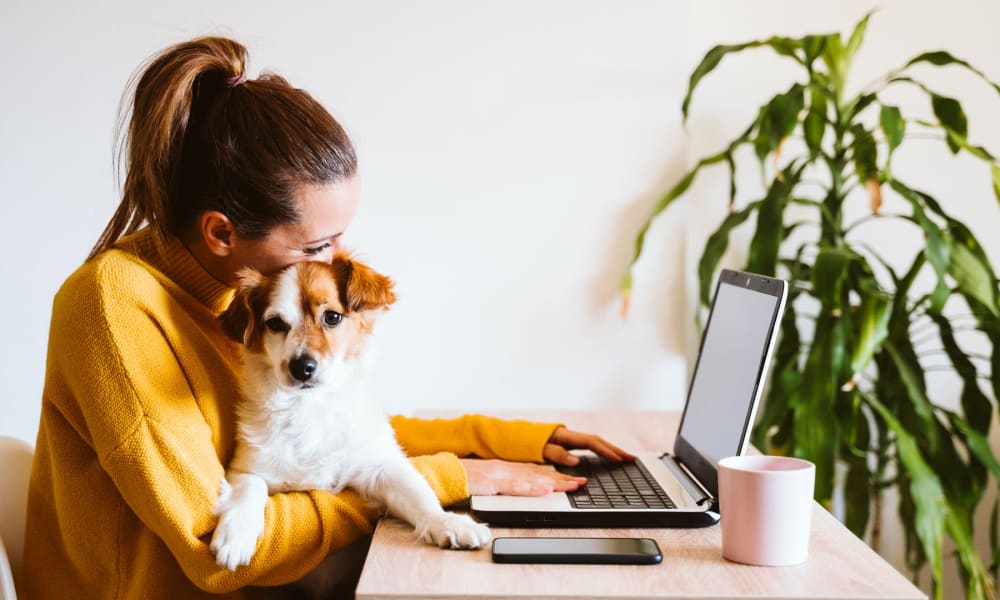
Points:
[(590, 551)]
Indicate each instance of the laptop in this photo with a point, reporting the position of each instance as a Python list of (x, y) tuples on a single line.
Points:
[(678, 488)]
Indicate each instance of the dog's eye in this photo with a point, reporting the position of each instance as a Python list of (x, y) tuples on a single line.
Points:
[(332, 318), (276, 325)]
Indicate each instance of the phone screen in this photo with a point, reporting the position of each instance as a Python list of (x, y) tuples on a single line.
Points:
[(577, 550)]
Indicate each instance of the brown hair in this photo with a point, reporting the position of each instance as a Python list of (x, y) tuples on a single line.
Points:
[(201, 138)]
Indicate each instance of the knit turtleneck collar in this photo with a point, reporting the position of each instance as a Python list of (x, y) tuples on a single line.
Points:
[(172, 258)]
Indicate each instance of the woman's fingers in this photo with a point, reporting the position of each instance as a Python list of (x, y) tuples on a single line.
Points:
[(568, 438), (555, 453), (491, 477)]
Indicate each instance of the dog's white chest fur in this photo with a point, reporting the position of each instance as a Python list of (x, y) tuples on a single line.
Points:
[(313, 438)]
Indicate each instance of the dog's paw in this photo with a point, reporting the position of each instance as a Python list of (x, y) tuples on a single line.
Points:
[(235, 539), (450, 530)]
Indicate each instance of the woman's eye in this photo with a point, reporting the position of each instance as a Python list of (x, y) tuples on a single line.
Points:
[(316, 250), (332, 318), (276, 325)]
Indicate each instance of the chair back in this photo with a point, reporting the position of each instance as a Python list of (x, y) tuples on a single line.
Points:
[(15, 469)]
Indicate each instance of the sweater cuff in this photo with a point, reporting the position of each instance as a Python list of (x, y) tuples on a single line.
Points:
[(529, 442), (445, 473)]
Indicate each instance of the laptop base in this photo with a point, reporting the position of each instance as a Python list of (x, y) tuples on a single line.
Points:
[(599, 519)]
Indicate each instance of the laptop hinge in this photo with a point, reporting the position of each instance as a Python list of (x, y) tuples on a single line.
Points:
[(687, 480)]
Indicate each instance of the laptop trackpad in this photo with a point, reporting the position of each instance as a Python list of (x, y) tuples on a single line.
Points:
[(554, 501)]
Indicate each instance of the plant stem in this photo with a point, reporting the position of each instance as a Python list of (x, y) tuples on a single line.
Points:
[(877, 523)]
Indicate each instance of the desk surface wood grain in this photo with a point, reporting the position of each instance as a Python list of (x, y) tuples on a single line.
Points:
[(839, 566)]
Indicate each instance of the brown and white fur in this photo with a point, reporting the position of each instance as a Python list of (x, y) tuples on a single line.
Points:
[(305, 421)]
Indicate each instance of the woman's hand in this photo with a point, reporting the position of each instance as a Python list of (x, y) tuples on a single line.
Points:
[(557, 450), (492, 477)]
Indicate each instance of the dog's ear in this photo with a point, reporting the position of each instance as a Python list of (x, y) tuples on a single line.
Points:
[(240, 320), (361, 287)]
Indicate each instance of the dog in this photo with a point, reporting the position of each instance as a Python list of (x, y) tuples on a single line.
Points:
[(305, 421)]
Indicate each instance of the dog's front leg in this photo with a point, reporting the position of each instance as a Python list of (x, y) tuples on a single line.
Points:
[(407, 495), (240, 507)]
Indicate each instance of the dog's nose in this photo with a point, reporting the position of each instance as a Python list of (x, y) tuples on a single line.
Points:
[(302, 368)]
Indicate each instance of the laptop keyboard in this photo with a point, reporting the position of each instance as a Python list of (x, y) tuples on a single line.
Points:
[(611, 485)]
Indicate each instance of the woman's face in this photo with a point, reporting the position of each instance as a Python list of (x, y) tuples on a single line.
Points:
[(326, 212)]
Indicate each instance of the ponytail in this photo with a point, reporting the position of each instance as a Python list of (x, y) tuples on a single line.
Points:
[(200, 137)]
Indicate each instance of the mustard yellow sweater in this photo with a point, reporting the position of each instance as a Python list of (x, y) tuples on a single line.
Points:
[(137, 426)]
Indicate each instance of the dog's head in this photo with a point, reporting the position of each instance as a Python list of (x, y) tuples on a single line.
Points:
[(309, 322)]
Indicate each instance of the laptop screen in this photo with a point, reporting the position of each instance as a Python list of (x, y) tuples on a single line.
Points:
[(728, 376)]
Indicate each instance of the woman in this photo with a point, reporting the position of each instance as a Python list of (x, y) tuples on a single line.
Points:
[(137, 418)]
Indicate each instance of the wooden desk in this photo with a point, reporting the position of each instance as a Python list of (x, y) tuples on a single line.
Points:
[(839, 566)]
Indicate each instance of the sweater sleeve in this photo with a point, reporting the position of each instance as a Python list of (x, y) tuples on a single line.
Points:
[(474, 435), (131, 402), (445, 474)]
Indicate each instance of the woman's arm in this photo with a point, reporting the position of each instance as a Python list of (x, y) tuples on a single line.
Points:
[(474, 435), (518, 441)]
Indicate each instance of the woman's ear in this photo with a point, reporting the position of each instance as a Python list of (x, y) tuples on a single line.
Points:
[(361, 287), (217, 232), (241, 321)]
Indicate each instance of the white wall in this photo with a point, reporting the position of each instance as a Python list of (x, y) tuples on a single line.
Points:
[(509, 152)]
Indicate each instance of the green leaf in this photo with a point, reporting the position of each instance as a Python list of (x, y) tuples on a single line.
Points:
[(909, 371), (812, 46), (937, 248), (976, 405), (953, 137), (716, 246), (941, 58), (814, 421), (977, 443), (857, 494), (782, 45), (865, 153), (992, 329), (858, 484), (974, 278), (763, 254), (904, 284), (777, 120), (925, 490), (950, 114), (732, 178), (893, 125), (873, 321), (828, 275), (661, 205), (994, 538), (833, 57), (824, 211), (915, 557), (971, 269), (996, 180), (786, 380), (857, 36), (863, 102), (814, 124), (961, 482)]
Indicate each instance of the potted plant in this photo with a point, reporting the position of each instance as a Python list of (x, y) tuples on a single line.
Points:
[(848, 386)]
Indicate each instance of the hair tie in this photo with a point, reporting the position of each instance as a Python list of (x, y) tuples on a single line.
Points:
[(236, 80)]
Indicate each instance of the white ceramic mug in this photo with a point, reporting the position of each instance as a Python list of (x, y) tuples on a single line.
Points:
[(766, 507)]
